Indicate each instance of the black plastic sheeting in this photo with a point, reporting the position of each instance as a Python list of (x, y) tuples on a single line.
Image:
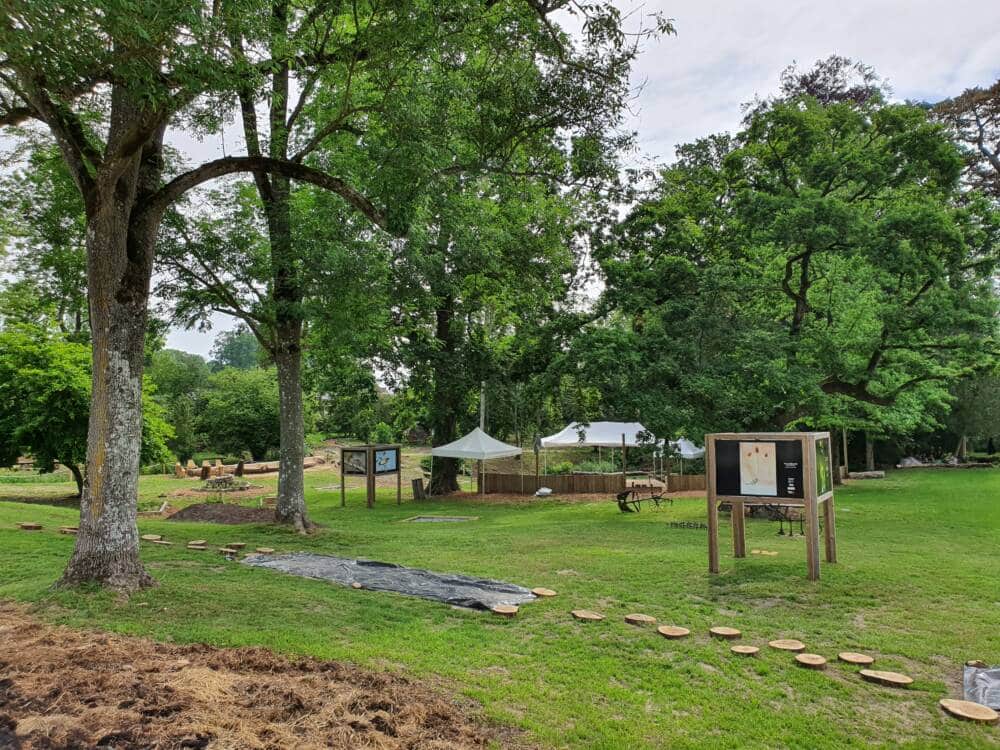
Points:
[(458, 590), (982, 685)]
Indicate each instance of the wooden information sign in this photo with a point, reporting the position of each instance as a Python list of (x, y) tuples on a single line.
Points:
[(771, 468), (370, 461)]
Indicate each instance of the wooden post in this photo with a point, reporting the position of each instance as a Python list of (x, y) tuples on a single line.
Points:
[(830, 530), (370, 478), (739, 530), (399, 477), (847, 466), (811, 509), (713, 509), (343, 501), (624, 470)]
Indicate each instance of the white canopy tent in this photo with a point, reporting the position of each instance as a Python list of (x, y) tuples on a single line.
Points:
[(686, 449), (599, 435), (476, 446)]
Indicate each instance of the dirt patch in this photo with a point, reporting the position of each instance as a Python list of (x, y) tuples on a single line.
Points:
[(63, 688), (226, 513)]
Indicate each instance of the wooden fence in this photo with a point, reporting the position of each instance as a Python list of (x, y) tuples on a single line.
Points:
[(560, 484), (685, 482)]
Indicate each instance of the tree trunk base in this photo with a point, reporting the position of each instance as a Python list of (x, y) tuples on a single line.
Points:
[(125, 575), (299, 520)]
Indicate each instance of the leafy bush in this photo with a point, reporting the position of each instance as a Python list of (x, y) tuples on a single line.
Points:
[(383, 433), (563, 467)]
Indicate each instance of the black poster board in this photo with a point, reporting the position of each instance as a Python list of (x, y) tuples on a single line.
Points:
[(779, 462)]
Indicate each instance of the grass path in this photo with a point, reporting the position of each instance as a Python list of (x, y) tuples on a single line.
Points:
[(918, 585)]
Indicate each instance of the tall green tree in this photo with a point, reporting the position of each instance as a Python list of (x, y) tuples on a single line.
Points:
[(236, 348), (107, 79)]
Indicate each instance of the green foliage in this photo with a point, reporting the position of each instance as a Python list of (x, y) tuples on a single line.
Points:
[(240, 411), (383, 433), (237, 348), (45, 402)]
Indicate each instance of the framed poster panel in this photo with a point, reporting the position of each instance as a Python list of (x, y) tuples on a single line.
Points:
[(354, 461), (386, 460), (759, 468), (824, 478)]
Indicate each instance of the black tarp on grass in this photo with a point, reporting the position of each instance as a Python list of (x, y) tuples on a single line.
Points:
[(458, 590)]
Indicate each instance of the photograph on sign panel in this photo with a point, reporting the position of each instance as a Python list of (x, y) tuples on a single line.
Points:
[(385, 461), (758, 469), (824, 482), (355, 462)]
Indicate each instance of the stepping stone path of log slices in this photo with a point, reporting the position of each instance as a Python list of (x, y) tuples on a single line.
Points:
[(965, 710)]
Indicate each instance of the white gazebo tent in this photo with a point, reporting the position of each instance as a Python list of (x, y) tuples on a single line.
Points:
[(622, 435), (686, 450), (477, 446)]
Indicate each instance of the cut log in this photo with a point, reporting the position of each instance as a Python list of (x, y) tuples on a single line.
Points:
[(811, 661), (29, 526), (672, 632), (198, 541), (151, 537), (228, 551), (265, 550), (543, 592), (639, 619), (586, 615), (889, 679), (68, 529), (745, 650), (787, 644), (236, 545), (505, 610), (197, 547), (720, 631), (969, 711), (164, 542), (853, 657)]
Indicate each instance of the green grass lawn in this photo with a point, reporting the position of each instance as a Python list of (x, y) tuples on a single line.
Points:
[(918, 586)]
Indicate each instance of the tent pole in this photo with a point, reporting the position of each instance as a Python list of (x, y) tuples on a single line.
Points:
[(624, 472)]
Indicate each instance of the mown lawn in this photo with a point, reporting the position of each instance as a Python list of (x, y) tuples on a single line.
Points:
[(918, 585)]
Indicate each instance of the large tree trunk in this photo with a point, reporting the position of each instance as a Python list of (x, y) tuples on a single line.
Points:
[(77, 477), (291, 503), (444, 405), (120, 246), (869, 453)]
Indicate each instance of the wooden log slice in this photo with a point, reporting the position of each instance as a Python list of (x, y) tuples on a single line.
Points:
[(745, 650), (769, 553), (163, 542), (265, 550), (197, 547), (639, 619), (151, 537), (969, 711), (505, 610), (788, 644), (198, 541), (672, 631), (889, 679), (68, 530), (356, 585), (811, 661), (721, 631), (29, 526), (853, 657), (236, 545), (543, 592), (227, 551), (586, 615)]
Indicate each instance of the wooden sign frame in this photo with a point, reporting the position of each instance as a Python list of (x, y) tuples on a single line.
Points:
[(810, 500), (371, 470)]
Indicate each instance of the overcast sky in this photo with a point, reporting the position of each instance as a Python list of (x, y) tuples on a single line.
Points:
[(726, 52)]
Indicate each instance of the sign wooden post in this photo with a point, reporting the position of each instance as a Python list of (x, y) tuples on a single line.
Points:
[(791, 469)]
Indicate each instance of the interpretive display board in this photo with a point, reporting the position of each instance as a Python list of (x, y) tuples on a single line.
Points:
[(771, 468), (370, 461)]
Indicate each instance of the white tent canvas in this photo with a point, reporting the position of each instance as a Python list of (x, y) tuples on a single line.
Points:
[(599, 435), (686, 449), (477, 445)]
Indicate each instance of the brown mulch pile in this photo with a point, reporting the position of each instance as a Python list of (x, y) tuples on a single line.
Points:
[(63, 688), (227, 513)]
